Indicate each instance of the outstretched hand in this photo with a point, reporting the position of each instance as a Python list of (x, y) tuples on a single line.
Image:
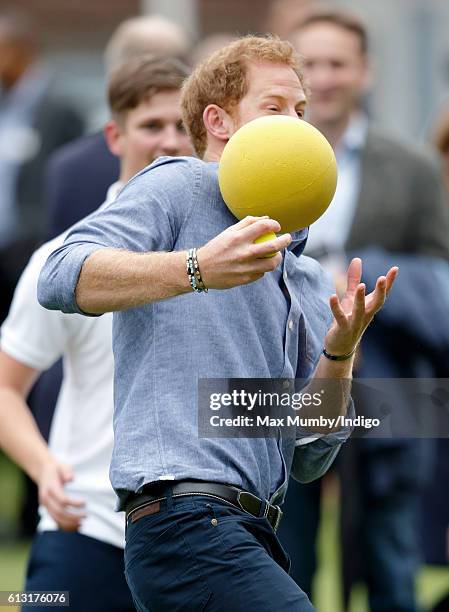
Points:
[(355, 311)]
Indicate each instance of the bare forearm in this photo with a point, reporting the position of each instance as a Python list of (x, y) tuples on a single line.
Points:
[(117, 280), (332, 383), (111, 279), (19, 436)]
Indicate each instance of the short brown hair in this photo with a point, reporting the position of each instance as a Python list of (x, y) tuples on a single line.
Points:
[(140, 78), (221, 79), (343, 19)]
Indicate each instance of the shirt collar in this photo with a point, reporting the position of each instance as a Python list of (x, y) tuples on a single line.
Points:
[(354, 137), (113, 192), (353, 140), (299, 240)]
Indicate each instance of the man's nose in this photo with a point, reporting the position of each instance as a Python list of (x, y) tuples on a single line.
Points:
[(171, 139), (319, 77)]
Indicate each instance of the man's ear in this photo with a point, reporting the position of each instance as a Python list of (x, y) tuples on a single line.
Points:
[(113, 136), (218, 122)]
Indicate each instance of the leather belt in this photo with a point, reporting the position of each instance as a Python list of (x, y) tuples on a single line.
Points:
[(148, 502)]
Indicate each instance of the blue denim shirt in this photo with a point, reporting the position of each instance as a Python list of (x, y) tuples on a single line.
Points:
[(163, 348)]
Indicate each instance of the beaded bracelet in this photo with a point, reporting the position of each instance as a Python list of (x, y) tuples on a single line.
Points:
[(193, 272)]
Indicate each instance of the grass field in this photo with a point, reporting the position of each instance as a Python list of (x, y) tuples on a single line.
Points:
[(432, 582)]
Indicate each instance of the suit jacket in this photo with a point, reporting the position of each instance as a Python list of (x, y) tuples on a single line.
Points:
[(402, 205), (56, 124), (402, 216), (77, 179)]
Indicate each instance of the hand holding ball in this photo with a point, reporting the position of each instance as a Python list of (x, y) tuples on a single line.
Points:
[(281, 167), (265, 238)]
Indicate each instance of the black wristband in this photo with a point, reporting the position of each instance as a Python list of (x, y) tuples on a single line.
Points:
[(339, 357)]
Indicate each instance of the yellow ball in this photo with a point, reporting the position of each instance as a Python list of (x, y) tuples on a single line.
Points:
[(278, 166), (265, 238)]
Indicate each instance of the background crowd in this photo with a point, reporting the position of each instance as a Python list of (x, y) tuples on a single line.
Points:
[(381, 96)]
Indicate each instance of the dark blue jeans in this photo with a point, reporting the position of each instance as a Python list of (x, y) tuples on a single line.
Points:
[(198, 554), (92, 572)]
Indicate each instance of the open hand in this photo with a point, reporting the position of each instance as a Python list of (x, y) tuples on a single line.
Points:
[(355, 311)]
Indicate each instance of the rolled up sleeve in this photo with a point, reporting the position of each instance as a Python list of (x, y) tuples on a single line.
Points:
[(314, 455), (146, 216), (59, 277)]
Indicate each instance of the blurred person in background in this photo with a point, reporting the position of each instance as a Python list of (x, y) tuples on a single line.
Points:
[(33, 124), (435, 501), (440, 139), (389, 205), (284, 14), (68, 198), (79, 547), (206, 46)]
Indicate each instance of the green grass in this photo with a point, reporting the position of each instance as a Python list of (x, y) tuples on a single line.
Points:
[(13, 559), (13, 565), (11, 487), (13, 554)]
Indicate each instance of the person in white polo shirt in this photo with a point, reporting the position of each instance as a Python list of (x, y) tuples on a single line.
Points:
[(80, 540)]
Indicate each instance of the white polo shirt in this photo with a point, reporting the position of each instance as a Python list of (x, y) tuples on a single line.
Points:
[(81, 433)]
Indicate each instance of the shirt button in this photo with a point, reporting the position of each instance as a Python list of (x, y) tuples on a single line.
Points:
[(286, 384), (291, 325)]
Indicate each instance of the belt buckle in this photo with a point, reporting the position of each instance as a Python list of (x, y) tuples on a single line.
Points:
[(279, 515), (241, 495), (268, 506)]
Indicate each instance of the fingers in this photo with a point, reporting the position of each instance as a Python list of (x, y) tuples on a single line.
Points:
[(249, 220), (358, 311), (391, 277), (61, 511), (61, 507), (257, 228), (354, 275), (65, 520), (232, 258), (263, 249), (262, 264), (66, 473), (337, 311), (63, 499), (376, 298)]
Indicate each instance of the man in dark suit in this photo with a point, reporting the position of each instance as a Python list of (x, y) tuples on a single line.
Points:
[(390, 197), (33, 124), (70, 197)]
